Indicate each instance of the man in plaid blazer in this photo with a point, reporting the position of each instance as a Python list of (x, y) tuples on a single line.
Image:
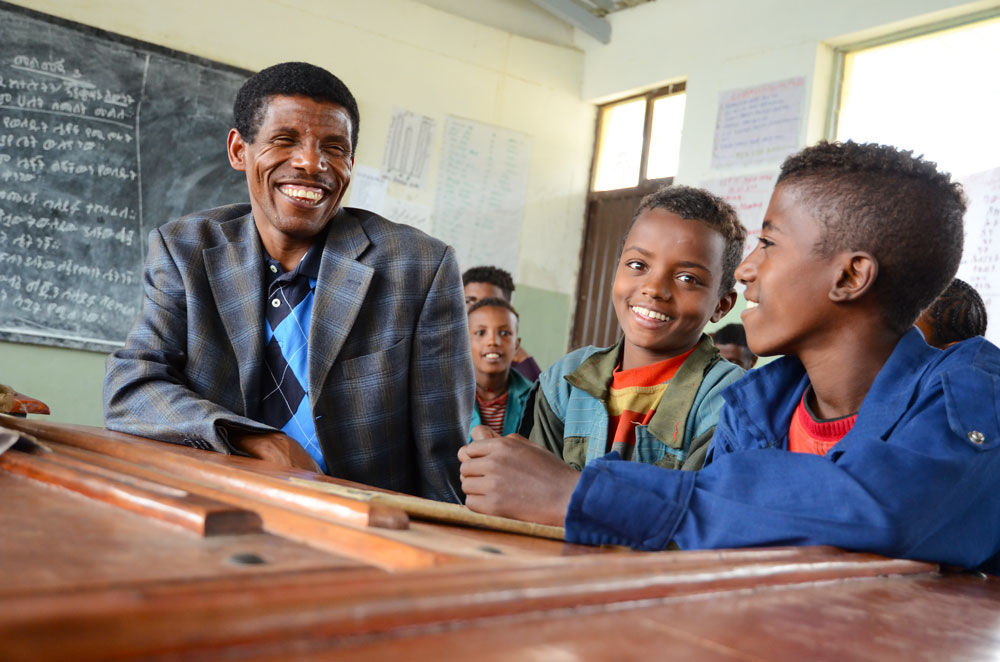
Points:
[(390, 381)]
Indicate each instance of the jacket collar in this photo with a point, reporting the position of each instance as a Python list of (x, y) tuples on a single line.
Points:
[(340, 292), (236, 277), (594, 376), (766, 397)]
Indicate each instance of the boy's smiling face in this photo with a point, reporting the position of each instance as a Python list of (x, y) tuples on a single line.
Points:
[(667, 286), (788, 280), (493, 336)]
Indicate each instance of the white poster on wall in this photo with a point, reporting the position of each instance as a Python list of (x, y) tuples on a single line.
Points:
[(980, 265), (481, 190), (409, 213), (368, 189), (758, 124), (749, 195), (408, 148)]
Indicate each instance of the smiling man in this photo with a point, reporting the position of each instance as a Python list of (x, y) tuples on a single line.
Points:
[(296, 330)]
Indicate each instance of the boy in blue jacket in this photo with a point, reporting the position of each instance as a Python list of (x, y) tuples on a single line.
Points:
[(501, 392), (862, 436)]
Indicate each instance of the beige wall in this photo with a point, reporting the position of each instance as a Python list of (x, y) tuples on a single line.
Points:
[(390, 53), (407, 54), (719, 45)]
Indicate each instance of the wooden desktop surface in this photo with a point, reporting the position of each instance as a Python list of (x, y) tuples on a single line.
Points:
[(117, 547)]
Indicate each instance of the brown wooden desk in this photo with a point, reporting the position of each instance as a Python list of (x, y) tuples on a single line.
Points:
[(118, 547)]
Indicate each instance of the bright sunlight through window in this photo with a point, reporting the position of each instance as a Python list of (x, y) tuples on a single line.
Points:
[(937, 94)]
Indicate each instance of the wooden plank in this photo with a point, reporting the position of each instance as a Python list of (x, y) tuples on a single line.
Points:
[(203, 516), (233, 479), (55, 542), (449, 513), (108, 624)]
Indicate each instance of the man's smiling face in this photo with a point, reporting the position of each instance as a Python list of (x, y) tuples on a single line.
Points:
[(298, 167)]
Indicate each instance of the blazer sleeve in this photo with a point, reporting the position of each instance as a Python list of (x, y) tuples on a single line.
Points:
[(442, 383), (145, 389)]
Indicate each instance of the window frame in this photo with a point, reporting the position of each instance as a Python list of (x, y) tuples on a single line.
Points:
[(841, 52), (643, 183)]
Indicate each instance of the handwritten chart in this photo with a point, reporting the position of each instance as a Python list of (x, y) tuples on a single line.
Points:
[(749, 195), (101, 139), (980, 265), (758, 124), (408, 148), (480, 192)]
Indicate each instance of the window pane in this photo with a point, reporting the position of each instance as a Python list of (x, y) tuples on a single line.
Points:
[(938, 95), (665, 137), (620, 151)]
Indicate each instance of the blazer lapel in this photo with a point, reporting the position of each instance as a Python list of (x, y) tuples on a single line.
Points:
[(237, 282), (340, 291)]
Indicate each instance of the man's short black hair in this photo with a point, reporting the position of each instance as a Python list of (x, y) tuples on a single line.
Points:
[(958, 314), (293, 79), (493, 276), (731, 334), (493, 302), (887, 202), (698, 204)]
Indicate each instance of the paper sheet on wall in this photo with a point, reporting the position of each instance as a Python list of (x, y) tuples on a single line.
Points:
[(410, 213), (749, 195), (368, 189), (408, 148), (758, 124), (480, 192), (980, 265)]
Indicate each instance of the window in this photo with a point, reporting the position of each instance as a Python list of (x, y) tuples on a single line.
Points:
[(637, 150), (936, 93), (639, 139)]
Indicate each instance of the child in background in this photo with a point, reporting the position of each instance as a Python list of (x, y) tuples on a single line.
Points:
[(483, 282), (654, 396), (958, 314), (901, 441), (732, 343), (500, 392)]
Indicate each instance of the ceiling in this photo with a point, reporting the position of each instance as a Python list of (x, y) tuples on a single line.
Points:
[(552, 21)]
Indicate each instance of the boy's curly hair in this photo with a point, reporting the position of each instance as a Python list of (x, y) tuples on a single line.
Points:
[(493, 276), (493, 302), (892, 204), (697, 204)]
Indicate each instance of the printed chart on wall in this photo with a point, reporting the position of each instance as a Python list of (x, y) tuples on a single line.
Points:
[(981, 259), (481, 190), (758, 124)]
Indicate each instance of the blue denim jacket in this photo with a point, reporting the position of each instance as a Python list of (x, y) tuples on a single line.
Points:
[(571, 415), (518, 389), (915, 478)]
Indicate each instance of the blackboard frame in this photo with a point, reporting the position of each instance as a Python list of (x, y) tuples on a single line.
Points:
[(102, 344)]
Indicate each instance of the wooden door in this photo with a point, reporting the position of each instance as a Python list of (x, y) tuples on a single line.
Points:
[(608, 215)]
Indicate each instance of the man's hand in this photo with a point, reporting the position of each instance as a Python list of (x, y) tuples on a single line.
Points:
[(512, 477), (274, 447)]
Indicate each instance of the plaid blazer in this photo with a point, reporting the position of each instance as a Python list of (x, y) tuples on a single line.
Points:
[(390, 370)]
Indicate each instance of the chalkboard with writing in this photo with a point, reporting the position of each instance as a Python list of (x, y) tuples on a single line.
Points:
[(102, 138)]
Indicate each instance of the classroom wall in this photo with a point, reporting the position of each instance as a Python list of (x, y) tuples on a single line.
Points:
[(721, 45), (404, 53), (390, 53)]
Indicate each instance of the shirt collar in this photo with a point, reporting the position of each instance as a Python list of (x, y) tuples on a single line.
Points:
[(307, 267)]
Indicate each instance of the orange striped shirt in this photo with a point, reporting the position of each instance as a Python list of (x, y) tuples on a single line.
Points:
[(633, 398)]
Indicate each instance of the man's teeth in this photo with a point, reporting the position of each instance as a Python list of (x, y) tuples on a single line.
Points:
[(302, 193), (651, 314)]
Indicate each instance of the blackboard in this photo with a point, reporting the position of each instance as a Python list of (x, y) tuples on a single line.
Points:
[(102, 138)]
